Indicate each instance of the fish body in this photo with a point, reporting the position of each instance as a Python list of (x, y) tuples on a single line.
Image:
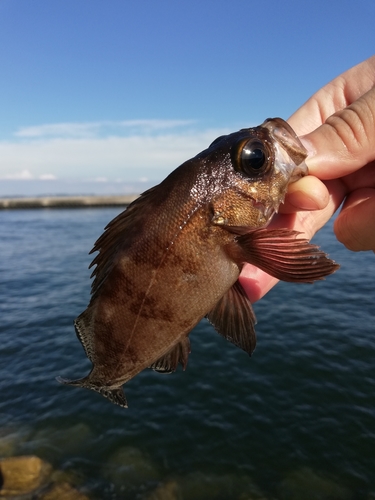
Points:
[(175, 255)]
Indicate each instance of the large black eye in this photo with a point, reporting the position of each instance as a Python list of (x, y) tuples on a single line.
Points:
[(254, 157)]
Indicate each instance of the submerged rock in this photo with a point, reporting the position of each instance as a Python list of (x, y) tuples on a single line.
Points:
[(309, 485), (200, 486), (63, 491), (22, 475), (129, 467), (11, 441), (55, 443), (168, 490), (8, 446)]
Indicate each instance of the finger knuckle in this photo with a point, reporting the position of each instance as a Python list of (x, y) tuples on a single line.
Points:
[(354, 126), (346, 233), (348, 127)]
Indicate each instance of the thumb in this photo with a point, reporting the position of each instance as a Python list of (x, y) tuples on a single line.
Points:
[(345, 142)]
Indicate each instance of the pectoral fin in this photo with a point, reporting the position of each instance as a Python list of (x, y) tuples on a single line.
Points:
[(279, 253), (234, 318), (169, 362)]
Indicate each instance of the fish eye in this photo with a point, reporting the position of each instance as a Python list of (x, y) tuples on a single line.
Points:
[(254, 157)]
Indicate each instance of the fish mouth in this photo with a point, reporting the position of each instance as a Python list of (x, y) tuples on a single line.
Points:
[(298, 172), (267, 210), (291, 166), (271, 207), (290, 152)]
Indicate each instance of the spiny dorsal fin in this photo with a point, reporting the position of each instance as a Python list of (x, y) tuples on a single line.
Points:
[(119, 233), (233, 317), (169, 362)]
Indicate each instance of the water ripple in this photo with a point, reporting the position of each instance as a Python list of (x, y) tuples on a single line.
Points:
[(304, 399)]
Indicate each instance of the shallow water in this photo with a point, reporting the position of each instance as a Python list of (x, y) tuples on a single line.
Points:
[(299, 414)]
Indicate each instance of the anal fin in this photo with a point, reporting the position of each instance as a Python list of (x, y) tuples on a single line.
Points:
[(169, 362), (84, 331), (233, 318)]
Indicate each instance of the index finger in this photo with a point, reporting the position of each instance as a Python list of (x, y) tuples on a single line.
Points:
[(336, 95), (345, 142)]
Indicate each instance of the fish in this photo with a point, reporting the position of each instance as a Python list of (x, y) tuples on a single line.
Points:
[(174, 256)]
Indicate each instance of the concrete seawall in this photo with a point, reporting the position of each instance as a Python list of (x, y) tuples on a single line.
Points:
[(67, 201)]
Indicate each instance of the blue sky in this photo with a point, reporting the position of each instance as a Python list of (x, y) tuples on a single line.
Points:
[(110, 96)]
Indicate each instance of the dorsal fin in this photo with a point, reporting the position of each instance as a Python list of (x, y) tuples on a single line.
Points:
[(128, 223)]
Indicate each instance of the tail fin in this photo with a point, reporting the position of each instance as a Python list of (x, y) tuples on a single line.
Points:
[(115, 395)]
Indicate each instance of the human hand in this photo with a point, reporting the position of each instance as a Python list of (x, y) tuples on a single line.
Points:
[(343, 149), (338, 128)]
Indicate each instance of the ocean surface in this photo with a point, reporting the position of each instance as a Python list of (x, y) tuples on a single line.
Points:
[(294, 421)]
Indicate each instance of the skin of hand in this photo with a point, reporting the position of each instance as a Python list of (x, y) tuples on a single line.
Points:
[(337, 125)]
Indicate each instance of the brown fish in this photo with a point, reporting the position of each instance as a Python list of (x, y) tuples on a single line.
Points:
[(174, 257)]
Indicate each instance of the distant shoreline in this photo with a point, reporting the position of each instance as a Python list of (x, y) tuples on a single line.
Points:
[(66, 201)]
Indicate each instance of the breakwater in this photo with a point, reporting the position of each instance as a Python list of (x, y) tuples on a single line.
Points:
[(67, 201)]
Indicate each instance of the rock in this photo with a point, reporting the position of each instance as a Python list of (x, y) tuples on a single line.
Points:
[(8, 446), (251, 496), (307, 484), (63, 491), (128, 467), (56, 443), (206, 486), (10, 440), (165, 491), (59, 476), (21, 475)]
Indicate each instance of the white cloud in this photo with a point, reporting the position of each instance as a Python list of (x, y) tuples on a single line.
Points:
[(25, 175), (151, 149), (47, 177), (22, 175), (100, 128)]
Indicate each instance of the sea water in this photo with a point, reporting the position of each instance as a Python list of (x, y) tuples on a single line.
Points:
[(299, 415)]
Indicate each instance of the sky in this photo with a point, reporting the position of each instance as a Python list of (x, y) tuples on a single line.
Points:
[(110, 96)]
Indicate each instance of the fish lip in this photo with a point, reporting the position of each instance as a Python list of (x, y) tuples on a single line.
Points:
[(292, 168), (285, 136), (267, 211), (290, 151), (299, 171)]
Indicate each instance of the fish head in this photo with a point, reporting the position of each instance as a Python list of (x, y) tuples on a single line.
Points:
[(260, 163)]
